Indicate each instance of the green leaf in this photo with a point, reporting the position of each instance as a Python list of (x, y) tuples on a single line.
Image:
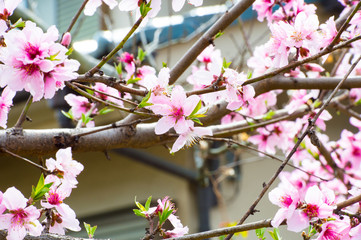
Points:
[(249, 75), (139, 205), (53, 57), (164, 64), (138, 213), (70, 51), (145, 8), (144, 101), (317, 103), (90, 230), (226, 64), (133, 80), (196, 120), (275, 234), (147, 203), (19, 23), (91, 92), (196, 109), (269, 115), (118, 68), (68, 114), (218, 34), (141, 54), (260, 233), (105, 110), (40, 190)]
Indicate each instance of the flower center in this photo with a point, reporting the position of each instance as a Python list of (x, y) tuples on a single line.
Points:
[(30, 68), (297, 36), (311, 210), (32, 51), (177, 113), (286, 200), (19, 216), (54, 198)]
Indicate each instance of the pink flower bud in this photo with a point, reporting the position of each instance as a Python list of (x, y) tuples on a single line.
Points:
[(66, 39)]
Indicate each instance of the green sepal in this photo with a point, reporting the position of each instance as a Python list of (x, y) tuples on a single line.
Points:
[(40, 190), (133, 80), (269, 115), (138, 213), (147, 203), (226, 64), (70, 51), (196, 109), (218, 34), (260, 233), (118, 68), (19, 23), (68, 114), (105, 110), (275, 234), (164, 64), (144, 101), (145, 8), (53, 57), (141, 54), (90, 230)]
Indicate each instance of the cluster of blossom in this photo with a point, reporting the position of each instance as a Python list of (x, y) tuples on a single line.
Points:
[(307, 200), (31, 60), (19, 216), (165, 210)]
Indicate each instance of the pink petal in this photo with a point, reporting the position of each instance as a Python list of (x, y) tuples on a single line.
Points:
[(164, 124)]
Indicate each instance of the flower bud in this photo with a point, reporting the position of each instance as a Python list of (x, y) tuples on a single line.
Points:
[(66, 39)]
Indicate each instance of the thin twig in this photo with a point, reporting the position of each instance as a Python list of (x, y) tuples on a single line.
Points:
[(22, 117), (105, 59), (24, 159), (105, 94), (75, 18), (114, 125), (228, 140), (87, 95)]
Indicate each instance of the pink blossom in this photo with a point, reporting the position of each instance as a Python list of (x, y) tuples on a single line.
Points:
[(65, 167), (79, 105), (21, 219), (108, 90), (32, 58), (158, 85), (313, 208), (7, 8), (92, 6), (300, 97), (63, 216), (236, 94), (6, 101), (337, 229), (264, 9), (210, 54), (191, 136), (65, 41), (287, 198), (175, 111)]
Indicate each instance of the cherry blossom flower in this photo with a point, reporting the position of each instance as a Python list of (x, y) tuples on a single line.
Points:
[(313, 208), (6, 101), (158, 85), (63, 216), (108, 90), (92, 6), (65, 167), (287, 198), (337, 229), (79, 105), (178, 4), (7, 8), (191, 136), (32, 59), (21, 219), (264, 9), (175, 111)]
